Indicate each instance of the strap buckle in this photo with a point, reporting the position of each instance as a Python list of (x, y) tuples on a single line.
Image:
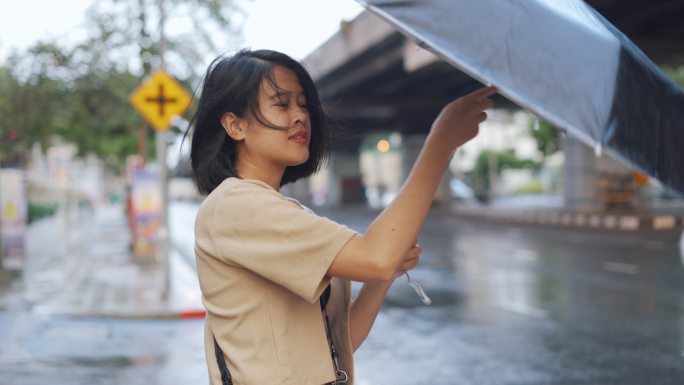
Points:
[(342, 378)]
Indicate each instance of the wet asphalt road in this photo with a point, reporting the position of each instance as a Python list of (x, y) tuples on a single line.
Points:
[(531, 306), (510, 306)]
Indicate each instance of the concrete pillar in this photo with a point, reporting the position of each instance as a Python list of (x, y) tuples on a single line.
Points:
[(411, 145), (344, 179), (580, 176)]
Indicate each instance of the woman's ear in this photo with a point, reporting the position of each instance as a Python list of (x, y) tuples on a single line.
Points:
[(234, 126)]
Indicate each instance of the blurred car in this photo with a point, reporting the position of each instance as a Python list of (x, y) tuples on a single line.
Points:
[(460, 190)]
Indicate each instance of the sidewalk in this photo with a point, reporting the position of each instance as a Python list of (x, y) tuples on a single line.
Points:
[(83, 267), (550, 211)]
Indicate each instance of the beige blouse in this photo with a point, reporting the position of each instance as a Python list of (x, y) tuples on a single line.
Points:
[(261, 261)]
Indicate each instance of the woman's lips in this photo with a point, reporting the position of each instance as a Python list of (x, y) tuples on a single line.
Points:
[(300, 137)]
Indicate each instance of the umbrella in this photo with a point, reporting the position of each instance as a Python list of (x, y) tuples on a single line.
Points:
[(563, 61)]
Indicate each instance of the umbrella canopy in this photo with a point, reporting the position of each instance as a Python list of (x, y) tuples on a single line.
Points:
[(564, 62)]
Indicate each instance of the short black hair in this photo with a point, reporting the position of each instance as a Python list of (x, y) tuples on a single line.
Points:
[(231, 84)]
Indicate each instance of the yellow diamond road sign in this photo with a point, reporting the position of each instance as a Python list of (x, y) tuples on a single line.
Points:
[(159, 99)]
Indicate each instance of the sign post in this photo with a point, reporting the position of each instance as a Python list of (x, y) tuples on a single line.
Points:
[(158, 100)]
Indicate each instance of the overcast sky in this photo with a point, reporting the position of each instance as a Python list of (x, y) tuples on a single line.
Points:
[(303, 25)]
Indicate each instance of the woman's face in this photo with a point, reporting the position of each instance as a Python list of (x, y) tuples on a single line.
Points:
[(284, 106)]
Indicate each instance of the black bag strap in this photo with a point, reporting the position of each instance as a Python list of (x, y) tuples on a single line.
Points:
[(226, 378), (325, 297), (340, 375)]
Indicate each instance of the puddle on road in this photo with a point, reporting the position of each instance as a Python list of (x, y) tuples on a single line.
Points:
[(102, 362), (80, 332)]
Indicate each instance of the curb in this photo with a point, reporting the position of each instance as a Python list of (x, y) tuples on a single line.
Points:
[(603, 221), (137, 315)]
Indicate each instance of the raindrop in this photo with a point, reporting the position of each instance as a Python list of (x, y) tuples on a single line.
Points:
[(598, 149), (681, 247)]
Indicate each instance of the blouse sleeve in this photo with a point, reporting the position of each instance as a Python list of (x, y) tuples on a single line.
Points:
[(261, 231)]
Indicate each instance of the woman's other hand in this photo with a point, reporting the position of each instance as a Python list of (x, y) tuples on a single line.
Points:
[(410, 260)]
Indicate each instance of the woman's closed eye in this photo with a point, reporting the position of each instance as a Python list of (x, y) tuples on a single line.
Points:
[(285, 106)]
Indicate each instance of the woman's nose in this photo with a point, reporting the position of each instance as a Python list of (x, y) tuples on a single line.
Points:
[(301, 114)]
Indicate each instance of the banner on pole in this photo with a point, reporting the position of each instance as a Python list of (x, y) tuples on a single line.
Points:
[(13, 216), (147, 211)]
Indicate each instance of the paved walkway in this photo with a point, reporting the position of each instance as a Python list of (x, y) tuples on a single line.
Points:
[(81, 265)]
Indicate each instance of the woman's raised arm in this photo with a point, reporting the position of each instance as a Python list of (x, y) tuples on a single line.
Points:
[(377, 254)]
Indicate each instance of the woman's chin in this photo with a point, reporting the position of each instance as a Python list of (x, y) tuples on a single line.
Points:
[(300, 160)]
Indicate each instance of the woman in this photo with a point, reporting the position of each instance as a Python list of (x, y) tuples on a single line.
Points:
[(264, 261)]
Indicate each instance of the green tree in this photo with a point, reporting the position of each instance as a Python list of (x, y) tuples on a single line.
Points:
[(9, 132), (479, 177), (546, 136), (128, 33)]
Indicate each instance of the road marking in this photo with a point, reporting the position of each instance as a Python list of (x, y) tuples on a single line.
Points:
[(619, 267), (654, 245)]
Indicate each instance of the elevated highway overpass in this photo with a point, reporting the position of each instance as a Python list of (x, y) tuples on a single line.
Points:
[(372, 78)]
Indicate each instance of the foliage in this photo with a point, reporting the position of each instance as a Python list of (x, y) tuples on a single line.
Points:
[(503, 160), (676, 74), (80, 92), (548, 140), (38, 211), (126, 33), (479, 177), (54, 99), (535, 186)]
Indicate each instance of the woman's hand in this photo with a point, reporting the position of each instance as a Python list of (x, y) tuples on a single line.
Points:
[(459, 121), (410, 260)]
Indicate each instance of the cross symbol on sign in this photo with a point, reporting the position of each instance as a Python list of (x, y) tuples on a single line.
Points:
[(161, 99)]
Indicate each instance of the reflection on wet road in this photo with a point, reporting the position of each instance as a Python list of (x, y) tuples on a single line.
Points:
[(49, 350)]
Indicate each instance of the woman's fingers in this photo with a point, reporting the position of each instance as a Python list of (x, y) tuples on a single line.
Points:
[(411, 258), (481, 94), (486, 104), (409, 264)]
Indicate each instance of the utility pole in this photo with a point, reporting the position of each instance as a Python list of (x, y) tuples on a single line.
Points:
[(161, 145)]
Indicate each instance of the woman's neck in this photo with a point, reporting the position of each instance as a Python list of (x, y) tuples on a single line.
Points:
[(251, 170)]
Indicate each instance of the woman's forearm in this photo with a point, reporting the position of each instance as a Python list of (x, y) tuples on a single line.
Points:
[(365, 309)]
